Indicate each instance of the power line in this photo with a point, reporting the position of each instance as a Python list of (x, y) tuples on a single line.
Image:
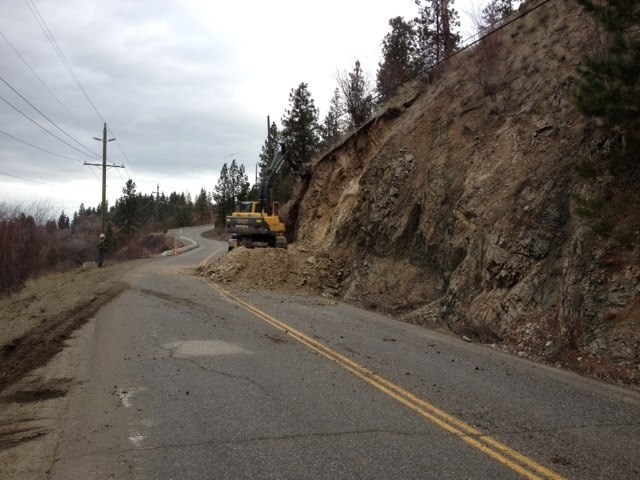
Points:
[(120, 175), (111, 132), (44, 150), (47, 32), (30, 180), (44, 84), (47, 118), (43, 128), (492, 31), (39, 148), (209, 161), (45, 29)]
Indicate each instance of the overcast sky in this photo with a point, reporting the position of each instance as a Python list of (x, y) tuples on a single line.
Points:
[(184, 86)]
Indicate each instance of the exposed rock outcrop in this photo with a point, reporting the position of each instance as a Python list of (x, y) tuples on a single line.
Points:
[(455, 209)]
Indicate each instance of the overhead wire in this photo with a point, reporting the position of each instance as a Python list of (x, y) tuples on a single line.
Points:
[(35, 12), (49, 35), (491, 31), (30, 180), (42, 127), (209, 161), (45, 29), (94, 154), (17, 139), (119, 145), (44, 84)]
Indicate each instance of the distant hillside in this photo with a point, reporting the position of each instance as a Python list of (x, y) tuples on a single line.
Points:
[(456, 206)]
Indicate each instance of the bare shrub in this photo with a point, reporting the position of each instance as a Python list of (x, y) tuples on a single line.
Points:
[(22, 243), (144, 243), (485, 69)]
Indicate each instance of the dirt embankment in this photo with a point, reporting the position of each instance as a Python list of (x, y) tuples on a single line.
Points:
[(456, 207), (36, 322)]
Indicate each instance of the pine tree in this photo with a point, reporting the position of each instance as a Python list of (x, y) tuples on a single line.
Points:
[(495, 11), (398, 52), (332, 126), (357, 95), (222, 195), (610, 84), (300, 129), (269, 149), (436, 38), (74, 222), (127, 214), (63, 221), (242, 185), (202, 206)]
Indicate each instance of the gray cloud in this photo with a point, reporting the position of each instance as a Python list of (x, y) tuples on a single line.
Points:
[(183, 85)]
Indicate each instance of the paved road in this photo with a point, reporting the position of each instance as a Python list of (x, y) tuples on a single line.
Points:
[(182, 379)]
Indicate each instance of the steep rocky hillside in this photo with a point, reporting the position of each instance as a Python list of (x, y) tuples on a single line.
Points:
[(455, 208)]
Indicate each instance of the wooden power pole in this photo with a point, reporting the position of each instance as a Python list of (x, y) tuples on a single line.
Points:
[(104, 172)]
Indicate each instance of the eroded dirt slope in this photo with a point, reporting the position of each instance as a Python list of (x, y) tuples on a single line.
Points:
[(455, 208)]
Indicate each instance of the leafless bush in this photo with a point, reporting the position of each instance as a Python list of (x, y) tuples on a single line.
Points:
[(143, 244), (22, 243), (31, 244), (40, 211), (485, 70)]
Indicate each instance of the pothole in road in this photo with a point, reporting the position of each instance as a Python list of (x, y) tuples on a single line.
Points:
[(204, 348)]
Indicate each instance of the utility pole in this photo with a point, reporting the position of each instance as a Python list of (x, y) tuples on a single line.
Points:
[(104, 166), (157, 201)]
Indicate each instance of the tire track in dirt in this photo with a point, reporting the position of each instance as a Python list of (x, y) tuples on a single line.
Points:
[(38, 345)]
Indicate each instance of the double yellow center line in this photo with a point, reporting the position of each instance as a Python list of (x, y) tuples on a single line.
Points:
[(500, 452), (204, 262)]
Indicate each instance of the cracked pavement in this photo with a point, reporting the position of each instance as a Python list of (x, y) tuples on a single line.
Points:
[(173, 381)]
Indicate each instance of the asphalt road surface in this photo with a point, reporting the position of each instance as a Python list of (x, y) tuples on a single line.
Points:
[(183, 379)]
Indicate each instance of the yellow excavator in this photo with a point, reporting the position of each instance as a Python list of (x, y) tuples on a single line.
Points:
[(258, 223)]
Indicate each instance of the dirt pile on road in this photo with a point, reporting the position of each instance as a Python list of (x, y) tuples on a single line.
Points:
[(298, 269)]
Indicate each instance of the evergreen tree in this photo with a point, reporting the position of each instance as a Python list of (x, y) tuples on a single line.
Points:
[(357, 95), (222, 195), (435, 25), (269, 149), (495, 11), (63, 221), (610, 84), (398, 53), (239, 182), (127, 215), (232, 187), (202, 206), (332, 126), (300, 129), (183, 216)]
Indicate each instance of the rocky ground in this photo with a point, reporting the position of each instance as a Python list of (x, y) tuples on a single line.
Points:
[(464, 204), (306, 270)]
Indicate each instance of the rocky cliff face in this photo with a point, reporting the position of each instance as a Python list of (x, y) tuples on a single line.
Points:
[(455, 208)]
